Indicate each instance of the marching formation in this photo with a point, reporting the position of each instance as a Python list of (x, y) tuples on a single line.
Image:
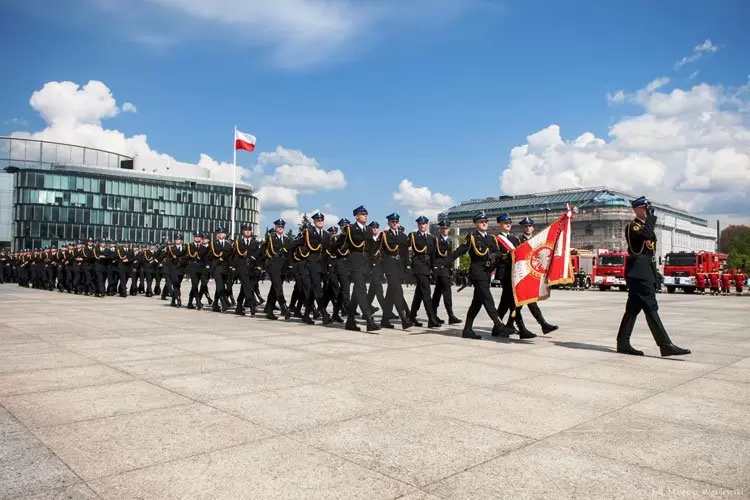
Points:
[(330, 266)]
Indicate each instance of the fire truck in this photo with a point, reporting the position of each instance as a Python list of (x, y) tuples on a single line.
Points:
[(583, 260), (610, 270), (680, 268)]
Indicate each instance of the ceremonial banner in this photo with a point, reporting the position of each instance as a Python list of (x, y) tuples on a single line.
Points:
[(542, 261), (561, 270)]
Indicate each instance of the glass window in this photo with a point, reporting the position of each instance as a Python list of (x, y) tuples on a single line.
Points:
[(79, 183), (96, 201), (87, 185), (128, 189), (95, 185), (108, 187), (107, 218)]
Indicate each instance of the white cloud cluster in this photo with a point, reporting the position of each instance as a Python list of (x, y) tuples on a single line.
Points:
[(298, 32), (700, 50), (420, 200), (293, 174), (74, 115), (687, 147)]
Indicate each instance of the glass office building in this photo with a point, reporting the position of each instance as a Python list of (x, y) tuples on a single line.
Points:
[(54, 201)]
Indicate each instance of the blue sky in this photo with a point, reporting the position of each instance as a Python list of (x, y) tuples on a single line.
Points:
[(438, 93)]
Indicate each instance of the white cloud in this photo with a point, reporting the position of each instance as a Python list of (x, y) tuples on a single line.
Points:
[(297, 33), (74, 115), (693, 75), (16, 122), (687, 147), (617, 97), (275, 197), (421, 200), (700, 50)]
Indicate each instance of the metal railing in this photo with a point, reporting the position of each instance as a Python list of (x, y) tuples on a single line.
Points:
[(33, 153)]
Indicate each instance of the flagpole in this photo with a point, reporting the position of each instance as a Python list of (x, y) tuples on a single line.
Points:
[(234, 177)]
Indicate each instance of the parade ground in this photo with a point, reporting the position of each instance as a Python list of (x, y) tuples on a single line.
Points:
[(129, 398)]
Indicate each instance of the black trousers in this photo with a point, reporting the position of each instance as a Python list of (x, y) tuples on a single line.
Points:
[(642, 297), (177, 273), (220, 280), (247, 290), (443, 289), (482, 298), (276, 292), (376, 288), (422, 295), (359, 289), (394, 296), (332, 291), (112, 277), (315, 277), (101, 276), (344, 298), (124, 271)]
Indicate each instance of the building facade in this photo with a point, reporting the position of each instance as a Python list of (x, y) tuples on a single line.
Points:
[(599, 223), (53, 201)]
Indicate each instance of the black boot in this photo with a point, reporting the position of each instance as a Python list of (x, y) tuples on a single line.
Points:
[(190, 300), (623, 336), (537, 313), (523, 332), (673, 350), (372, 327), (285, 311), (500, 330)]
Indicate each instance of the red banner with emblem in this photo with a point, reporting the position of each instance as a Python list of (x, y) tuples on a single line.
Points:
[(542, 261)]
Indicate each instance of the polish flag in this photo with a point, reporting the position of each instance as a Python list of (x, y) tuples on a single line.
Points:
[(244, 141)]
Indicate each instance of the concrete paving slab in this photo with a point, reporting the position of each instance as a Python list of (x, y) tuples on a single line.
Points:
[(531, 416), (233, 382), (59, 378), (74, 492), (271, 468), (715, 389), (473, 372), (543, 471), (401, 387), (413, 446), (44, 409), (173, 366), (591, 393), (620, 374), (265, 356), (27, 466), (103, 447), (731, 373), (529, 361), (43, 361), (710, 456), (297, 408)]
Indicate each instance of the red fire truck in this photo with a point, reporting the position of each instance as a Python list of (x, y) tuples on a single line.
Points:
[(610, 270), (680, 268), (583, 260)]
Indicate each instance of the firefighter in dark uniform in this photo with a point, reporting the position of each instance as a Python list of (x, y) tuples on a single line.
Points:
[(375, 257), (276, 253), (194, 270), (442, 269), (333, 288), (422, 248), (205, 253), (393, 247), (221, 252), (506, 243), (483, 251), (149, 264), (101, 255), (314, 242), (355, 236), (528, 231), (641, 280), (177, 255), (245, 258), (343, 268), (125, 258)]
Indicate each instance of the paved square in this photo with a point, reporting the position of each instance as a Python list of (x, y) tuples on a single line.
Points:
[(129, 398)]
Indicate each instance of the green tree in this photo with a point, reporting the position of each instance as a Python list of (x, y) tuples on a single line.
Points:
[(735, 236), (735, 240), (304, 223), (464, 262), (290, 234)]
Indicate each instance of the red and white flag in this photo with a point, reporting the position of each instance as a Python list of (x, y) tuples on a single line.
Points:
[(561, 270), (244, 141), (542, 261)]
